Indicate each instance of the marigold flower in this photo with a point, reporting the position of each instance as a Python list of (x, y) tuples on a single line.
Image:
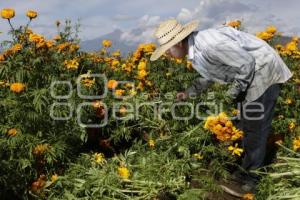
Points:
[(119, 92), (40, 149), (288, 101), (151, 143), (197, 156), (235, 150), (99, 158), (271, 29), (71, 64), (292, 126), (2, 58), (106, 43), (132, 92), (264, 35), (7, 13), (123, 172), (142, 65), (189, 65), (17, 87), (112, 84), (122, 110), (234, 24), (54, 178), (116, 53), (296, 144), (31, 14), (88, 82), (248, 196), (12, 132), (142, 74)]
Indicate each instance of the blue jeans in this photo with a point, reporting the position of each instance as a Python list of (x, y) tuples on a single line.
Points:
[(256, 126)]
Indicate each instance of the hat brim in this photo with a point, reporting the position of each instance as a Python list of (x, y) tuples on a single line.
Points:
[(186, 30)]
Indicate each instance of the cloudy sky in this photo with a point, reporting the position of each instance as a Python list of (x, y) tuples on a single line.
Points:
[(99, 17)]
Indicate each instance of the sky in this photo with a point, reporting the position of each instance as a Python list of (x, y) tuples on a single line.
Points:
[(99, 17)]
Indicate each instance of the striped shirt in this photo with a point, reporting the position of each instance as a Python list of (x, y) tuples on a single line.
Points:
[(226, 55)]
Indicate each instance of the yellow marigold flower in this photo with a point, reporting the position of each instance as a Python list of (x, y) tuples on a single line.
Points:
[(111, 84), (248, 196), (271, 29), (292, 46), (142, 74), (17, 87), (235, 150), (116, 53), (197, 156), (264, 35), (7, 13), (189, 65), (141, 86), (151, 143), (296, 144), (71, 64), (36, 38), (12, 132), (31, 14), (119, 92), (237, 134), (179, 61), (99, 158), (234, 24), (288, 101), (123, 172), (132, 92), (142, 65), (16, 48), (54, 178), (114, 64), (127, 67), (40, 149), (106, 43), (292, 126), (88, 82)]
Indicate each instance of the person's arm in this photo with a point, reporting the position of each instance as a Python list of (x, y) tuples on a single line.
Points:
[(198, 85), (242, 63)]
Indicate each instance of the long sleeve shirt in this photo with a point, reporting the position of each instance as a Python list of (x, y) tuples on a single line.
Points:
[(226, 55)]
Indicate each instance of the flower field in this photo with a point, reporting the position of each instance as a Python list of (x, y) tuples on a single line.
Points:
[(81, 125)]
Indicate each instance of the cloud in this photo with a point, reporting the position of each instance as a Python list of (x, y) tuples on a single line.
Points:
[(143, 32)]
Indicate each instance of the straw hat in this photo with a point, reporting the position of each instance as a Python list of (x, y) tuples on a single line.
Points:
[(169, 33)]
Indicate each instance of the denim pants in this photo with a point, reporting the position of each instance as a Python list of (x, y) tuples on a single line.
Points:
[(255, 121)]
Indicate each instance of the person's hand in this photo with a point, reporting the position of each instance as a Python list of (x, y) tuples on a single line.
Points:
[(181, 96)]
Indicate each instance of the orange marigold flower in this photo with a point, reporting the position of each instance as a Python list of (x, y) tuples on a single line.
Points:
[(12, 132), (17, 87), (111, 84), (248, 196)]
